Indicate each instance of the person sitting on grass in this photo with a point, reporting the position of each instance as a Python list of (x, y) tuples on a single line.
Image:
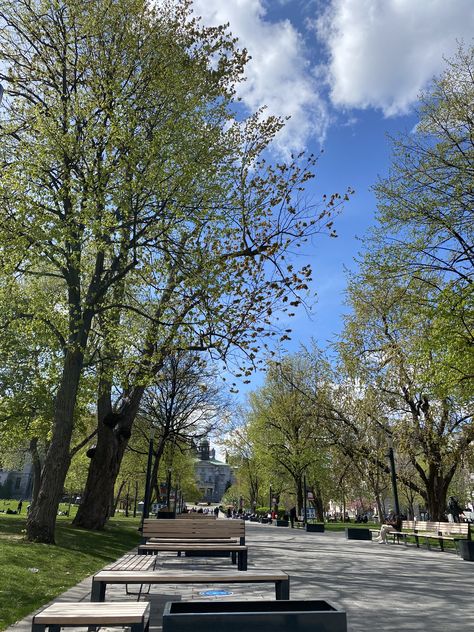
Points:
[(393, 523)]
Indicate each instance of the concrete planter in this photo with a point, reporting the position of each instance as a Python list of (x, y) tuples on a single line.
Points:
[(466, 550), (355, 533), (282, 523), (253, 616), (315, 527)]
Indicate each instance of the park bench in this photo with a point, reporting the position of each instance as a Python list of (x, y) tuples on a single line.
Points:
[(102, 578), (433, 531), (193, 529), (238, 552), (131, 562), (58, 615)]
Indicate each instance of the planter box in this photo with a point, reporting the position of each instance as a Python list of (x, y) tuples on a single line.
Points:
[(466, 550), (315, 528), (253, 616), (354, 533), (282, 523)]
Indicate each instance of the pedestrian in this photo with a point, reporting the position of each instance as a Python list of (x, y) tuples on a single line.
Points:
[(292, 516), (454, 508), (20, 505), (392, 524)]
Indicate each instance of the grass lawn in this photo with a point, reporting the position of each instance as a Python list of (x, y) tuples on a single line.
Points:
[(33, 574)]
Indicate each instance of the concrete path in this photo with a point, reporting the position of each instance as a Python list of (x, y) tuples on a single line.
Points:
[(381, 587)]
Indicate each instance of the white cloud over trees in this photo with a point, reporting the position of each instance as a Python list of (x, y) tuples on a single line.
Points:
[(279, 74), (335, 55), (383, 52)]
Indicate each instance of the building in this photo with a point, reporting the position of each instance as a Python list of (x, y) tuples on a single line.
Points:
[(16, 484), (213, 477)]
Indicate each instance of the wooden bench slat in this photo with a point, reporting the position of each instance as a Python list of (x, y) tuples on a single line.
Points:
[(131, 562), (101, 579), (93, 613), (188, 546)]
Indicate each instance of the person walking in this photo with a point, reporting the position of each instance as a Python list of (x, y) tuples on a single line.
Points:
[(20, 505), (292, 516)]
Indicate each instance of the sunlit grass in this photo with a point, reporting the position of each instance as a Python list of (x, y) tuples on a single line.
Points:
[(33, 574)]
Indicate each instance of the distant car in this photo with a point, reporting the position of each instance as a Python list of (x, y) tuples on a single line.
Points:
[(468, 515)]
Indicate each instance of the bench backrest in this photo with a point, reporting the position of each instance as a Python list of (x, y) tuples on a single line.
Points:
[(197, 529), (440, 528)]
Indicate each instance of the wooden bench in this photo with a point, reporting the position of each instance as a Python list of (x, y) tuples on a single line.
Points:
[(131, 562), (194, 529), (238, 552), (429, 531), (101, 579), (58, 615)]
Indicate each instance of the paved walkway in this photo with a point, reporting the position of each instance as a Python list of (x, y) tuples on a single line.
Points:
[(381, 587)]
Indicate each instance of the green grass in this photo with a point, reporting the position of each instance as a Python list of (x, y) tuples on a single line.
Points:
[(77, 554)]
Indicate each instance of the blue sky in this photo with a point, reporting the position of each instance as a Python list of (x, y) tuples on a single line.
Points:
[(348, 72)]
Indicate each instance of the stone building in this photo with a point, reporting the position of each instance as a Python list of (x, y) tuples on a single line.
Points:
[(213, 477)]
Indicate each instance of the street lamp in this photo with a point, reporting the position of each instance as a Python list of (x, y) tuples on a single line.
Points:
[(146, 500), (393, 473), (271, 501), (168, 490), (305, 496)]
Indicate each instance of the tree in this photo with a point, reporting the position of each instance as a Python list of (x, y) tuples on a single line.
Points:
[(183, 226), (284, 427), (241, 454), (381, 345), (426, 217), (184, 405)]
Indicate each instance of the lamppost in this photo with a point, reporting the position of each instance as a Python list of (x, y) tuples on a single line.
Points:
[(305, 496), (146, 500), (393, 474), (168, 490), (271, 501)]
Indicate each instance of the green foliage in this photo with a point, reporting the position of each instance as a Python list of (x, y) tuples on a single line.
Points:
[(409, 336), (129, 188), (425, 212)]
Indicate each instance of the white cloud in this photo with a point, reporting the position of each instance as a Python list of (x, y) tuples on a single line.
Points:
[(383, 52), (278, 75)]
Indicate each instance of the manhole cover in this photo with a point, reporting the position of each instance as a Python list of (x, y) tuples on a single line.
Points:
[(216, 593)]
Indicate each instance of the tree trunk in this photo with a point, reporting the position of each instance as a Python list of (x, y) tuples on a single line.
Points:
[(36, 463), (437, 491), (318, 502), (96, 505), (117, 498), (41, 520), (105, 464)]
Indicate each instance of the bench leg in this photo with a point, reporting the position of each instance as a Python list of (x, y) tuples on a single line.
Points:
[(137, 627), (98, 591), (36, 627), (282, 589), (242, 560), (233, 555)]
